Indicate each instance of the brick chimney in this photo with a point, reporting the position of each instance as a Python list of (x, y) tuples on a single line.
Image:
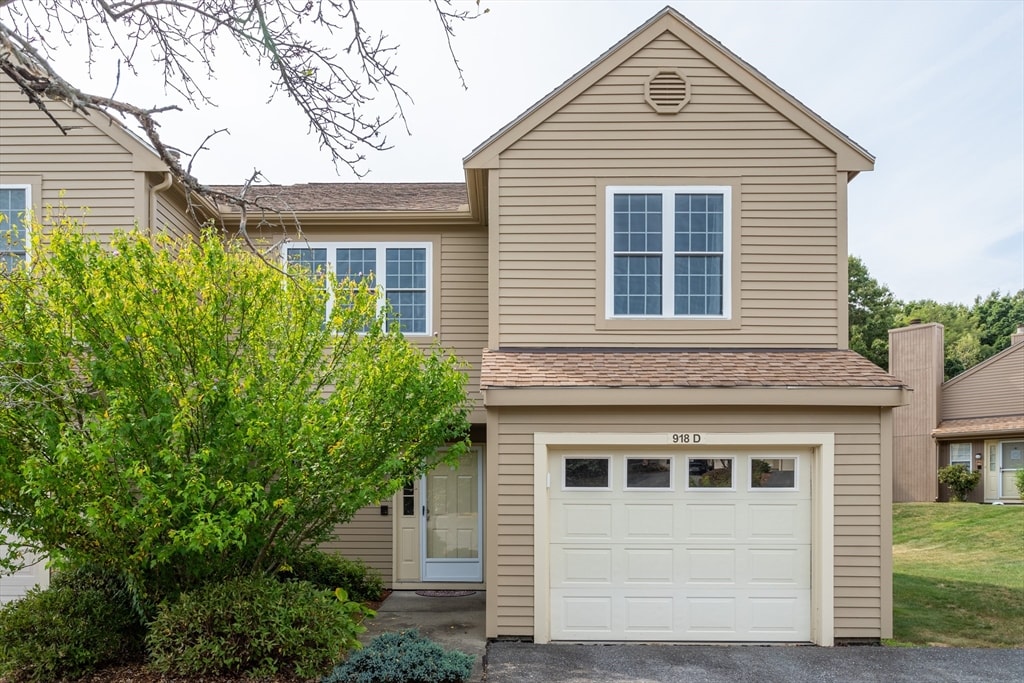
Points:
[(916, 356)]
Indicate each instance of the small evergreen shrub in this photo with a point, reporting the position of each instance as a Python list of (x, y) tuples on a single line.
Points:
[(405, 657), (329, 571), (83, 621), (257, 627), (960, 480), (1020, 484)]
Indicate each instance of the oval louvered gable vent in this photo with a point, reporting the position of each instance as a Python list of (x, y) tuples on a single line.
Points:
[(667, 91)]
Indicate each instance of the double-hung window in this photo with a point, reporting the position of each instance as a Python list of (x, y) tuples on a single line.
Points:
[(400, 271), (14, 206), (960, 454), (668, 252)]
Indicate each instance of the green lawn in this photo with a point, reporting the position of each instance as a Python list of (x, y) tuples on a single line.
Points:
[(958, 574)]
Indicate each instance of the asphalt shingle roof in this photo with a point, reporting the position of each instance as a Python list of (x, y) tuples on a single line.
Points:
[(980, 425), (651, 368), (356, 196)]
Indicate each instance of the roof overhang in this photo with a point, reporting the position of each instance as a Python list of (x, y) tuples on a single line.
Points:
[(889, 397)]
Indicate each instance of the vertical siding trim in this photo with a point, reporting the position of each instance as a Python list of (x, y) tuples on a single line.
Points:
[(493, 265), (823, 445), (885, 539), (843, 267), (491, 524)]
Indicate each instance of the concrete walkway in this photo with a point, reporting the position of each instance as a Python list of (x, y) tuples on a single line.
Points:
[(455, 623)]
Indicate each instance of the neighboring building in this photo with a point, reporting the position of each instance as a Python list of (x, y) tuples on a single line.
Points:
[(975, 419), (647, 274)]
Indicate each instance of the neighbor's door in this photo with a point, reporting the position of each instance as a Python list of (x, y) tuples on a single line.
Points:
[(451, 521), (1011, 461)]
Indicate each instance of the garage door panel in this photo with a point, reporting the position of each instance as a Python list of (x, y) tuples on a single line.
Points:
[(711, 521), (780, 567), (649, 565), (584, 615), (583, 566), (646, 521), (583, 521), (778, 521), (710, 566), (647, 616)]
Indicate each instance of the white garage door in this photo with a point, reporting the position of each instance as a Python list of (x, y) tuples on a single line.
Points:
[(697, 548)]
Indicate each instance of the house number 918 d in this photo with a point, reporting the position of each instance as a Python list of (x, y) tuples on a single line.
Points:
[(686, 438)]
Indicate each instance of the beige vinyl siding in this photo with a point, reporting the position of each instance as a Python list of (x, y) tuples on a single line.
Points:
[(861, 511), (463, 323), (991, 389), (368, 538), (171, 214), (85, 171), (551, 226)]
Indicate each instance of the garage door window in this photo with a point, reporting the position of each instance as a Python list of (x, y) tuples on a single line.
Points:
[(710, 473), (773, 473), (586, 473), (653, 474)]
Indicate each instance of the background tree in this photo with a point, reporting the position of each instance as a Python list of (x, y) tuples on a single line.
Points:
[(318, 53), (872, 311), (180, 413)]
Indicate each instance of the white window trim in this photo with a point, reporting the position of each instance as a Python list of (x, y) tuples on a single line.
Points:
[(27, 218), (671, 473), (566, 458), (784, 489), (668, 248), (380, 275)]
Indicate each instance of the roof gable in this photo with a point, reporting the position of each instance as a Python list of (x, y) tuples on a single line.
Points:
[(849, 155), (1012, 357)]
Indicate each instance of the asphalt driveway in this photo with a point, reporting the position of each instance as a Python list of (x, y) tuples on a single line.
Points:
[(513, 662)]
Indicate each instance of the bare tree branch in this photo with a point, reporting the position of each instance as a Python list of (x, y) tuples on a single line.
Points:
[(336, 90)]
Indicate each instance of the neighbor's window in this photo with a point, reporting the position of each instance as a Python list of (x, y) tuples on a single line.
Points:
[(14, 204), (668, 254), (649, 473), (710, 473), (960, 454), (400, 271), (773, 473), (585, 473)]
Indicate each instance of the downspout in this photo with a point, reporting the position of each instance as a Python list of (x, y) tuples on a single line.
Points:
[(163, 185)]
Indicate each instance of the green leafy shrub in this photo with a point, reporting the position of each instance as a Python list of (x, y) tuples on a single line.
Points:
[(960, 480), (1020, 483), (254, 626), (324, 570), (84, 620), (406, 657)]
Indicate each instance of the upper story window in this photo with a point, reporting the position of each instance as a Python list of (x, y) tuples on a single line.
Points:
[(399, 270), (668, 252), (14, 205)]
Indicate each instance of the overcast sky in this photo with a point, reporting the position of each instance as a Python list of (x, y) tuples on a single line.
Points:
[(935, 90)]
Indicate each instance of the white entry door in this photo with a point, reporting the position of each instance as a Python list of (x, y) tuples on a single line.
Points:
[(452, 532)]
